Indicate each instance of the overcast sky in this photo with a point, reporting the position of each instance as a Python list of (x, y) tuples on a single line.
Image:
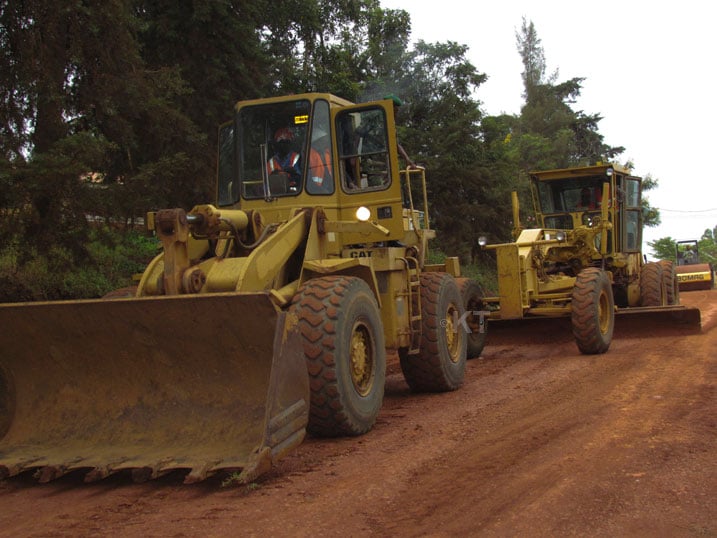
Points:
[(649, 72)]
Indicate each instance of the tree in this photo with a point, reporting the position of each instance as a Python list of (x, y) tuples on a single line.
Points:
[(94, 115), (708, 246), (664, 248), (650, 215), (215, 50), (550, 133), (440, 126)]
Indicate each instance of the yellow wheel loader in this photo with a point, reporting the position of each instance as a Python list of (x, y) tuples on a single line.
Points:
[(584, 260), (692, 273), (266, 314)]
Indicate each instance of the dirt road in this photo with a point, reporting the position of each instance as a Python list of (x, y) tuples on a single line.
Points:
[(540, 441)]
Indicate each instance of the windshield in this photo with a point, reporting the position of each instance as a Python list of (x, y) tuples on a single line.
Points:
[(559, 198), (271, 144), (570, 196), (363, 150)]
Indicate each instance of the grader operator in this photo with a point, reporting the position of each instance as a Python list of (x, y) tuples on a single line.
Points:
[(267, 313)]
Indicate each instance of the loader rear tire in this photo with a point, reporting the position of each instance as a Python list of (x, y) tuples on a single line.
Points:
[(669, 281), (593, 311), (472, 295), (440, 364), (343, 341), (651, 285)]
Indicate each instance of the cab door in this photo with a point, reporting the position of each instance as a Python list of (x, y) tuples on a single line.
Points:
[(367, 167)]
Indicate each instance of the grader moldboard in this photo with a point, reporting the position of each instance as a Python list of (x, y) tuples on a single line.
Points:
[(265, 315), (584, 260)]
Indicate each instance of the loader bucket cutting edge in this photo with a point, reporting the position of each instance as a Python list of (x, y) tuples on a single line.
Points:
[(202, 383)]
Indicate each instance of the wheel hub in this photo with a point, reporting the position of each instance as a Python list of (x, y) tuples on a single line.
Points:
[(603, 313), (452, 342), (362, 361)]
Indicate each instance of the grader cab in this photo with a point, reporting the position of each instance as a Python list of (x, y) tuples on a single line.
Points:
[(266, 314), (584, 259)]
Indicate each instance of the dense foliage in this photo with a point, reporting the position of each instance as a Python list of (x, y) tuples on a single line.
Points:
[(109, 109)]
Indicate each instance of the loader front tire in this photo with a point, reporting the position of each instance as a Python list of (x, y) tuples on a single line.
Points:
[(343, 342), (651, 285), (440, 364), (593, 311), (472, 296)]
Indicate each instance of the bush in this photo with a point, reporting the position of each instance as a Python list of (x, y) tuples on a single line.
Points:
[(113, 258), (483, 272)]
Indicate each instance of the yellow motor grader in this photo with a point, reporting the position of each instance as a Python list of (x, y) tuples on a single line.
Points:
[(584, 258), (267, 314)]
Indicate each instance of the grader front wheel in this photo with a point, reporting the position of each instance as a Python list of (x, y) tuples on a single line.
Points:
[(669, 281), (593, 311), (345, 354), (651, 285)]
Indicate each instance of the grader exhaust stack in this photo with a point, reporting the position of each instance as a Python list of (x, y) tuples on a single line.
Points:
[(151, 385)]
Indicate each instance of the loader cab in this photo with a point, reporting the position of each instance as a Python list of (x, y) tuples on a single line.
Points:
[(313, 150), (569, 198), (263, 152)]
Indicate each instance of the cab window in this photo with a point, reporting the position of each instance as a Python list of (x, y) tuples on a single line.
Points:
[(364, 162), (227, 193), (320, 170), (271, 145)]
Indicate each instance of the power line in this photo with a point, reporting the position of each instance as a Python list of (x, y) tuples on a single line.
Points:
[(687, 210)]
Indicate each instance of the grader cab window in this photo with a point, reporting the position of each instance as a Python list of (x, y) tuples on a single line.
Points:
[(363, 150), (558, 199), (633, 213)]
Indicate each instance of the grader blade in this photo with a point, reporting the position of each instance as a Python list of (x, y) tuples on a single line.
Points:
[(658, 320), (202, 383), (629, 323)]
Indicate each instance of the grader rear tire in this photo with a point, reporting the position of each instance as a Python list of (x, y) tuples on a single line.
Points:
[(477, 324), (593, 311), (343, 340), (669, 281), (440, 364), (651, 285)]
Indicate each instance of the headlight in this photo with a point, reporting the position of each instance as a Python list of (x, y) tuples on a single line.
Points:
[(560, 236), (363, 213), (482, 241)]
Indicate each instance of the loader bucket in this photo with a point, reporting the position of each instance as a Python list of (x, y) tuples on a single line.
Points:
[(201, 383)]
